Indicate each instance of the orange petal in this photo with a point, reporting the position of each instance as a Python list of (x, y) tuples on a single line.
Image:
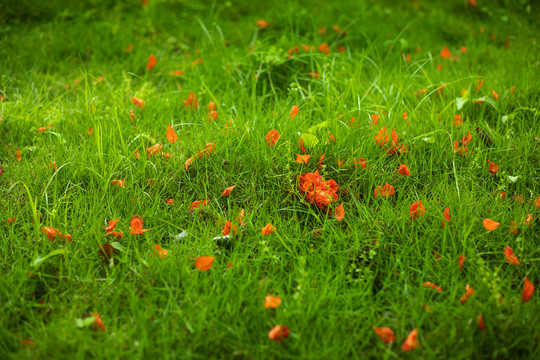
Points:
[(279, 333), (261, 24), (50, 232), (272, 301), (197, 204), (241, 216), (138, 102), (493, 168), (468, 292), (411, 342), (112, 224), (446, 215), (513, 228), (268, 229), (445, 53), (481, 322), (458, 120), (188, 163), (510, 257), (228, 227), (528, 220), (302, 159), (385, 334), (115, 234), (432, 285), (416, 210), (322, 158), (404, 170), (204, 263), (395, 138), (272, 137), (528, 290), (340, 212), (228, 191), (171, 134), (154, 149), (294, 111), (490, 224), (136, 225), (161, 252), (151, 62), (466, 139), (98, 324)]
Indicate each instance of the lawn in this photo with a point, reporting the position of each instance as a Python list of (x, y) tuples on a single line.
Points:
[(290, 179)]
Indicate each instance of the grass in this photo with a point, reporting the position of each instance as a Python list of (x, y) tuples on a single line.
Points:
[(365, 270)]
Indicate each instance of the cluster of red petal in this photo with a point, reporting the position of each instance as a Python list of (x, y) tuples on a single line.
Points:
[(318, 191)]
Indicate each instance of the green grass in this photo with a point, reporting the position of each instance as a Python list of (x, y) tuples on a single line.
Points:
[(365, 270)]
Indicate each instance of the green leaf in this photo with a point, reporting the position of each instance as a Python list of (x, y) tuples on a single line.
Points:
[(512, 179), (460, 101), (430, 140), (60, 138), (147, 137), (310, 140), (117, 246), (319, 126), (40, 260), (486, 100), (82, 323)]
